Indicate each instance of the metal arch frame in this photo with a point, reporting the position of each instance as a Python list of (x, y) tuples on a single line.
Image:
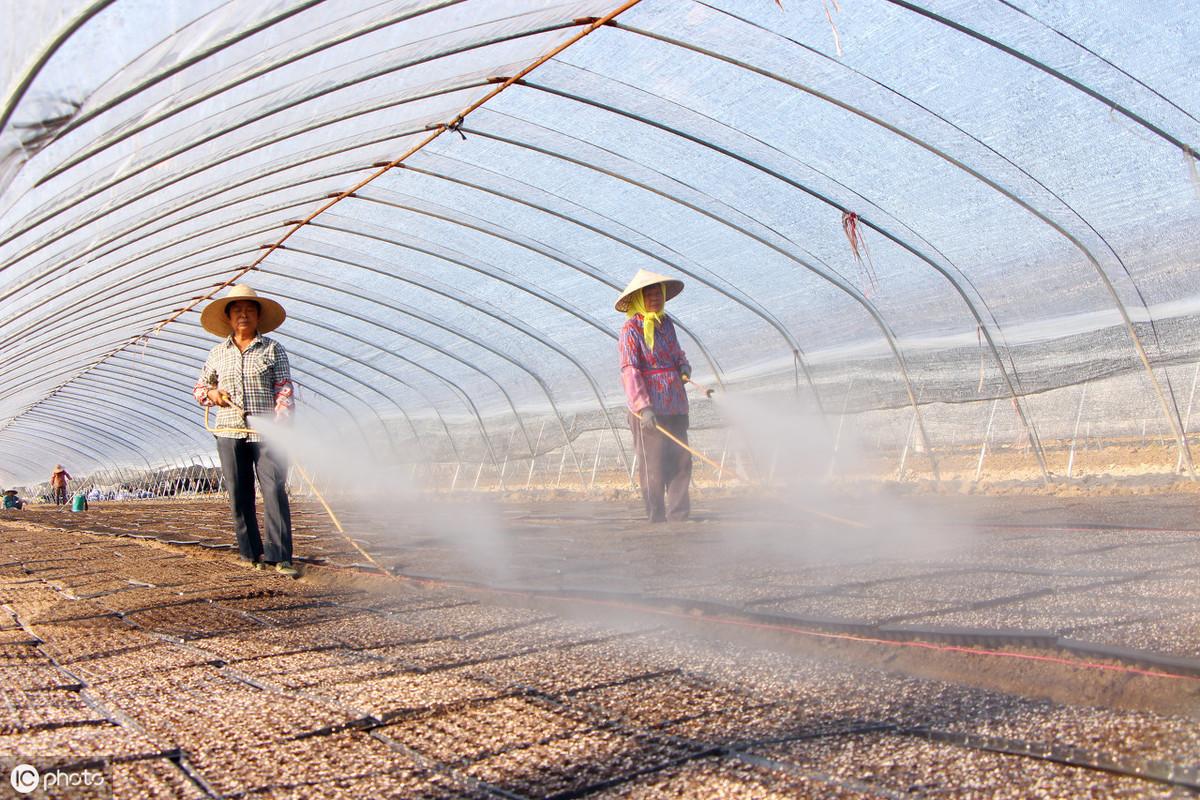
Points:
[(756, 308), (451, 439), (751, 305), (828, 274), (461, 392), (963, 132), (479, 308), (104, 309), (259, 213), (86, 457), (104, 186), (175, 243), (234, 154), (329, 398), (431, 346), (157, 215), (504, 234), (265, 212), (1041, 66), (49, 396), (1046, 68), (119, 323), (131, 446), (78, 22), (120, 367), (1170, 409), (1101, 58), (104, 383), (245, 78), (226, 186), (111, 269), (589, 271), (114, 385), (89, 405), (33, 378), (168, 183), (186, 371), (387, 431), (92, 430), (258, 145), (180, 66), (31, 466), (1031, 435), (409, 336), (432, 405), (746, 303), (172, 403), (96, 298), (203, 231), (88, 371)]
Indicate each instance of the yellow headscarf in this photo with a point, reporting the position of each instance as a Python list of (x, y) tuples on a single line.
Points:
[(637, 305)]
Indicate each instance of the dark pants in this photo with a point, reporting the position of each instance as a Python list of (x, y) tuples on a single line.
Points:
[(663, 466), (240, 459), (59, 493)]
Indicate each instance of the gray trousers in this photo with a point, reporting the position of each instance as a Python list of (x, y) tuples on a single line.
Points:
[(663, 468), (240, 460)]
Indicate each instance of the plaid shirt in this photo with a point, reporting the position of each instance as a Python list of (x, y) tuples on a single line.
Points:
[(258, 379)]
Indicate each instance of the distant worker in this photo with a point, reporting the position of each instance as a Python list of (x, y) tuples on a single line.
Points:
[(58, 485), (247, 376), (653, 372), (11, 500)]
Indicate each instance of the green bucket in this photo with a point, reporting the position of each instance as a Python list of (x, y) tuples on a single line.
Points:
[(79, 503)]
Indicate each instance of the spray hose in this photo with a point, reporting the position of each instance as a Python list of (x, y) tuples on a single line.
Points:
[(303, 474), (709, 393)]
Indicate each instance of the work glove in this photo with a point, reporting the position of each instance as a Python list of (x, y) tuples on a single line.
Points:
[(685, 372), (648, 420)]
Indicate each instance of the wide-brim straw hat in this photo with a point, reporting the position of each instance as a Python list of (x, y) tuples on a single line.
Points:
[(10, 491), (646, 278), (270, 316), (58, 468)]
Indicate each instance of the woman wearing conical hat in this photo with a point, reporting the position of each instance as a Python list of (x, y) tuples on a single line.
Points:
[(58, 484), (247, 376), (653, 371)]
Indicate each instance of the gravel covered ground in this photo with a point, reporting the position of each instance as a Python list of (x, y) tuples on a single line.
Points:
[(181, 673)]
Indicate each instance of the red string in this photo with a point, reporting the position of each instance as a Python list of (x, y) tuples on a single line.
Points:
[(858, 246)]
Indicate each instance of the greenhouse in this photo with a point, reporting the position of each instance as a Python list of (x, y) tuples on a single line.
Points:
[(886, 310)]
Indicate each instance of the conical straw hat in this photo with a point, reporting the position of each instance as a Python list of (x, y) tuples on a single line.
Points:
[(270, 317), (646, 278)]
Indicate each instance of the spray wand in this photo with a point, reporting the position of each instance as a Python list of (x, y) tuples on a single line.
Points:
[(709, 393), (303, 474)]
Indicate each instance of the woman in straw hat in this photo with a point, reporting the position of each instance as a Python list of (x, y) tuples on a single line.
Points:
[(58, 484), (247, 376), (653, 371)]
